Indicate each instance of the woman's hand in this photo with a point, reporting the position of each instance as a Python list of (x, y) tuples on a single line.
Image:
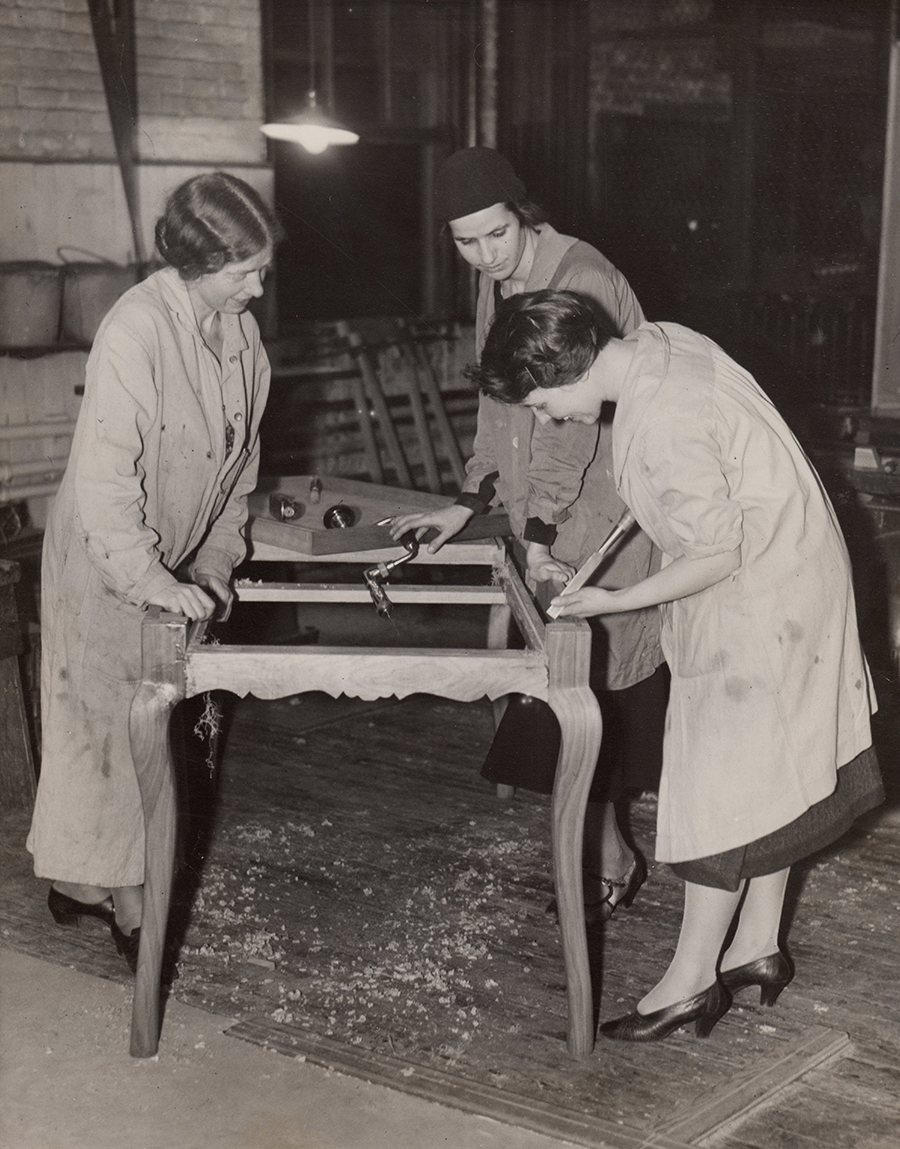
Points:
[(221, 592), (586, 602), (680, 579), (543, 567), (449, 521), (187, 599)]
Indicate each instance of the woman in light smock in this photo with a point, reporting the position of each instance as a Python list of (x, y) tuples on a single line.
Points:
[(767, 754), (151, 511)]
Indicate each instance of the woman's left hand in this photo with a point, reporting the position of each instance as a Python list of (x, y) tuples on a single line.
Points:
[(185, 598), (587, 601), (543, 567)]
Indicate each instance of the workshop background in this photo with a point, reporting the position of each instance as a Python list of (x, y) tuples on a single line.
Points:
[(728, 156), (736, 160)]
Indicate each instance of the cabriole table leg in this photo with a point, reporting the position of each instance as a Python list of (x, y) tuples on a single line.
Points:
[(164, 643)]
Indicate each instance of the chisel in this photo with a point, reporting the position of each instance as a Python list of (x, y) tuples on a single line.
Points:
[(587, 568)]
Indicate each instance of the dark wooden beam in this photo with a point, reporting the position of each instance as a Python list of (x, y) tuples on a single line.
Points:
[(112, 22)]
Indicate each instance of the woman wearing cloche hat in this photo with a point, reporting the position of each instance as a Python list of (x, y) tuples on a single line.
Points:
[(537, 473)]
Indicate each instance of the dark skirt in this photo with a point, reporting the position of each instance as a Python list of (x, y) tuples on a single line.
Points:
[(526, 743), (859, 788)]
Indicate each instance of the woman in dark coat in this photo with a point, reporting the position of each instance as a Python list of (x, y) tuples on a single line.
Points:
[(537, 474)]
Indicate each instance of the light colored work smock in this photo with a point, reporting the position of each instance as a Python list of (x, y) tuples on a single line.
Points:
[(148, 486), (770, 689), (556, 472)]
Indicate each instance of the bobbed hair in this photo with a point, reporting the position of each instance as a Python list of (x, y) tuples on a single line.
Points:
[(540, 339), (211, 220), (527, 212)]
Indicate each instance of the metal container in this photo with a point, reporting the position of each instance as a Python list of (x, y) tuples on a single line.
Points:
[(89, 291), (30, 301)]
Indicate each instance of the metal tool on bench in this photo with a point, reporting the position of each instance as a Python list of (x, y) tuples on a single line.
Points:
[(590, 565), (284, 508), (376, 577)]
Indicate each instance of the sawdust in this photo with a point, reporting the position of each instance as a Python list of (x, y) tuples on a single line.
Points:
[(416, 960)]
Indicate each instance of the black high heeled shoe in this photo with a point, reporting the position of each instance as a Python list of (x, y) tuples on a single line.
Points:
[(615, 892), (771, 973), (66, 911), (127, 945), (705, 1008), (618, 892)]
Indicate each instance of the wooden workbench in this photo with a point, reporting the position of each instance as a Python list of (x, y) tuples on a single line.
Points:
[(553, 666)]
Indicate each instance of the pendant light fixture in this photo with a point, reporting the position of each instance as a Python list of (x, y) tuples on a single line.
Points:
[(312, 129)]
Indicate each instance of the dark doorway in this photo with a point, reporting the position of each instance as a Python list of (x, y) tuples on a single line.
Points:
[(354, 231), (664, 210)]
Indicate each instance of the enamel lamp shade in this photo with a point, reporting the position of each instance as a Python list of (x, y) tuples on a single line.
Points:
[(313, 130)]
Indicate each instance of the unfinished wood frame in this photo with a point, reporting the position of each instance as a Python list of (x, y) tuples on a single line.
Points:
[(553, 666)]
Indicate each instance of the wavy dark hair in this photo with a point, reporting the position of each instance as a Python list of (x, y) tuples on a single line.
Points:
[(540, 339), (527, 212), (211, 220)]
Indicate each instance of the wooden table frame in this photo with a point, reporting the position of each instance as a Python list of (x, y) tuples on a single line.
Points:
[(553, 666)]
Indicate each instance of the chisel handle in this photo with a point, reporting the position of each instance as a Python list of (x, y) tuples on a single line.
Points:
[(587, 568)]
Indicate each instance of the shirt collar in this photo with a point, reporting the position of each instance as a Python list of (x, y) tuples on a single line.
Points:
[(177, 297), (644, 378)]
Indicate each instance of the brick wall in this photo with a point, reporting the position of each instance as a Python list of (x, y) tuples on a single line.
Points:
[(199, 81), (52, 102), (200, 106), (630, 74), (200, 85)]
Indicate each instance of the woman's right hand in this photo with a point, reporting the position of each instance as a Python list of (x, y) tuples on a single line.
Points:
[(449, 521), (587, 602), (185, 598)]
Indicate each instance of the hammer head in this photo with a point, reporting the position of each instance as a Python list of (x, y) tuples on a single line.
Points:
[(374, 579)]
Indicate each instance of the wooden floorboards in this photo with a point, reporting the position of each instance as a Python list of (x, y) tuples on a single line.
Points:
[(357, 895)]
